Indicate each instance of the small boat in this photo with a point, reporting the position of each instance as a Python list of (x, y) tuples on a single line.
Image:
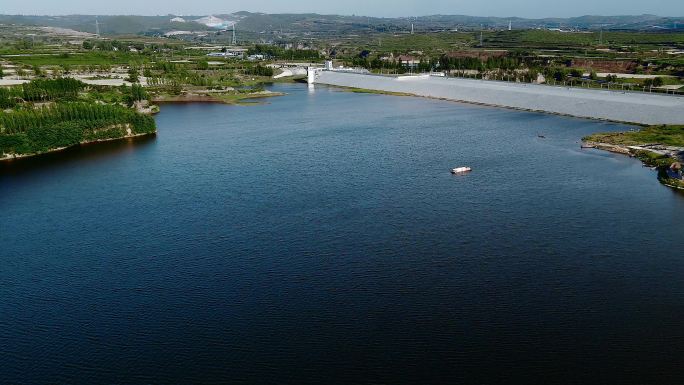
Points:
[(461, 170), (541, 136)]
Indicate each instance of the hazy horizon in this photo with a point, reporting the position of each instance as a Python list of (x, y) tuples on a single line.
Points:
[(381, 8)]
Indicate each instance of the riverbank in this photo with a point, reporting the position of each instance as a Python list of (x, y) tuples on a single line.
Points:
[(11, 157), (214, 97), (374, 92), (624, 107), (67, 113), (660, 147)]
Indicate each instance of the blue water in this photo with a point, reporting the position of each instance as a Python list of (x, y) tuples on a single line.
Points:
[(320, 238)]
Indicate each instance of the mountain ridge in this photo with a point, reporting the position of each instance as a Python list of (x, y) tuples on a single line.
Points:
[(257, 22)]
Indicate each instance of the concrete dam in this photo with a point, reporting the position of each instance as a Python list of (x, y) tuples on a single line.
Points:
[(619, 106)]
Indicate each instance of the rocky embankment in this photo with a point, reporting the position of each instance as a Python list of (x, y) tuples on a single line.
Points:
[(666, 159)]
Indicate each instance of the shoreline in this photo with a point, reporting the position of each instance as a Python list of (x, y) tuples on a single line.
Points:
[(18, 157), (180, 99), (230, 99), (654, 159)]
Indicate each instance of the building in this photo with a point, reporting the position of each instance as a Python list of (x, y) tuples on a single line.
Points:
[(408, 61), (229, 53)]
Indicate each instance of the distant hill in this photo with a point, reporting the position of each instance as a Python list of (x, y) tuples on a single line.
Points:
[(261, 23), (109, 25)]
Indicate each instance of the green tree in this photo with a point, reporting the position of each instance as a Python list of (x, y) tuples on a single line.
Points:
[(133, 75), (560, 74), (657, 82), (135, 94)]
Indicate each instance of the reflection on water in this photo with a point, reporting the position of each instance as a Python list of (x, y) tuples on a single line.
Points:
[(80, 153)]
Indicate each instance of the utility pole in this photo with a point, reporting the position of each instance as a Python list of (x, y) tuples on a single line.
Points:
[(601, 37), (234, 38), (97, 27), (411, 28), (510, 25)]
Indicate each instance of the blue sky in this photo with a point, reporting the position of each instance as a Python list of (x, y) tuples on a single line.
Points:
[(390, 8)]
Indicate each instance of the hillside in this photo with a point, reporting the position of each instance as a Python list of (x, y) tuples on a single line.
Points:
[(261, 23)]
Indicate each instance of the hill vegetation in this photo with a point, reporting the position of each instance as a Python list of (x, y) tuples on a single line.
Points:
[(337, 25), (48, 114)]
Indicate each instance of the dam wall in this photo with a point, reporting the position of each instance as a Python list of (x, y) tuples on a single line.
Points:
[(629, 107)]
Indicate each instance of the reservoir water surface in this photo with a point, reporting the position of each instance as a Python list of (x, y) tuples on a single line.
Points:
[(320, 238)]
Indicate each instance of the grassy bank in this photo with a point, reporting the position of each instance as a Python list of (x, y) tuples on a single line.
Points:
[(666, 135), (215, 97)]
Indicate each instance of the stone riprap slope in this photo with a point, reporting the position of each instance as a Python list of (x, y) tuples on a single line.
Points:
[(631, 107)]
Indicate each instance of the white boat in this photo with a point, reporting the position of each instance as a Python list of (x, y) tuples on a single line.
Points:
[(461, 170)]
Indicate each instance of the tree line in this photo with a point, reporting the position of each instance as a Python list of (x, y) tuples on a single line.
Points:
[(272, 51), (442, 63), (41, 90)]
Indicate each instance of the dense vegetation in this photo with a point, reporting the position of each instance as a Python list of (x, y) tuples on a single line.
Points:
[(259, 70), (26, 128), (41, 90), (66, 124)]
